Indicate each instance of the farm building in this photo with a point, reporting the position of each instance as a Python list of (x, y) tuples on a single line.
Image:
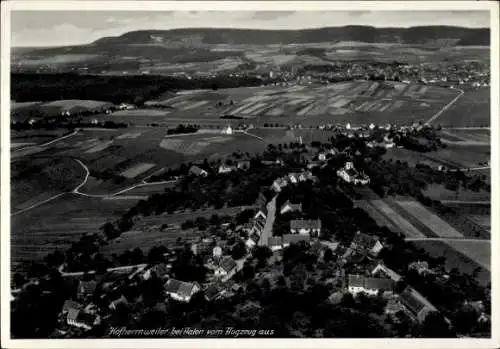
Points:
[(275, 243), (243, 165), (195, 170), (305, 226), (279, 184), (289, 207), (420, 267), (226, 169), (369, 285), (160, 270), (81, 319), (86, 289), (368, 243), (381, 269), (227, 130), (417, 304), (180, 290), (226, 268), (294, 238)]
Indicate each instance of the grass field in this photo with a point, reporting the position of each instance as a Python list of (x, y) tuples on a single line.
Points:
[(137, 169), (24, 111), (397, 220), (439, 192), (357, 102), (37, 179), (438, 226), (472, 109), (58, 223), (456, 259), (467, 135)]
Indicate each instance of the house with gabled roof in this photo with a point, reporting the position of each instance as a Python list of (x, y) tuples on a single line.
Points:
[(117, 302), (226, 169), (369, 285), (243, 165), (279, 184), (417, 304), (289, 207), (294, 238), (180, 290), (275, 243), (382, 270), (226, 268), (81, 319), (86, 289), (160, 270), (369, 243), (305, 226), (197, 171), (70, 304)]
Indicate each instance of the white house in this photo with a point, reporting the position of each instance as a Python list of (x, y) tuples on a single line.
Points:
[(81, 319), (381, 269), (180, 290), (369, 285), (305, 226), (227, 267), (289, 207), (197, 171), (226, 169), (227, 130)]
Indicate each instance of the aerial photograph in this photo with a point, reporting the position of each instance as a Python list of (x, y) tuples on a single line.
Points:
[(250, 174)]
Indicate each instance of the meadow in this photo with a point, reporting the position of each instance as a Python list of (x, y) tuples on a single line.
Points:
[(455, 258), (357, 102), (471, 110), (58, 223)]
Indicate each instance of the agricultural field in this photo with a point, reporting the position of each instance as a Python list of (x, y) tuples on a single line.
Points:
[(395, 220), (465, 137), (145, 240), (148, 232), (438, 226), (478, 256), (58, 223), (471, 110), (34, 136), (439, 192), (136, 153), (137, 116), (136, 170), (40, 178), (453, 157), (24, 111), (357, 102)]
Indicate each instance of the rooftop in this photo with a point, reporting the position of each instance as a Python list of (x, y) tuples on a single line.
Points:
[(294, 238), (305, 224), (415, 301), (179, 287)]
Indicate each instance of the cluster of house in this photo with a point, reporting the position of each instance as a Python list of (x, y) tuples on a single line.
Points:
[(82, 313), (382, 281), (292, 178), (350, 175), (242, 165)]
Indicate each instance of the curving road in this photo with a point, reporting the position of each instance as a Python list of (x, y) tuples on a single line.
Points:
[(87, 174), (76, 191)]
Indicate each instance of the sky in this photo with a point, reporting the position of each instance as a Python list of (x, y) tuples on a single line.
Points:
[(60, 28)]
